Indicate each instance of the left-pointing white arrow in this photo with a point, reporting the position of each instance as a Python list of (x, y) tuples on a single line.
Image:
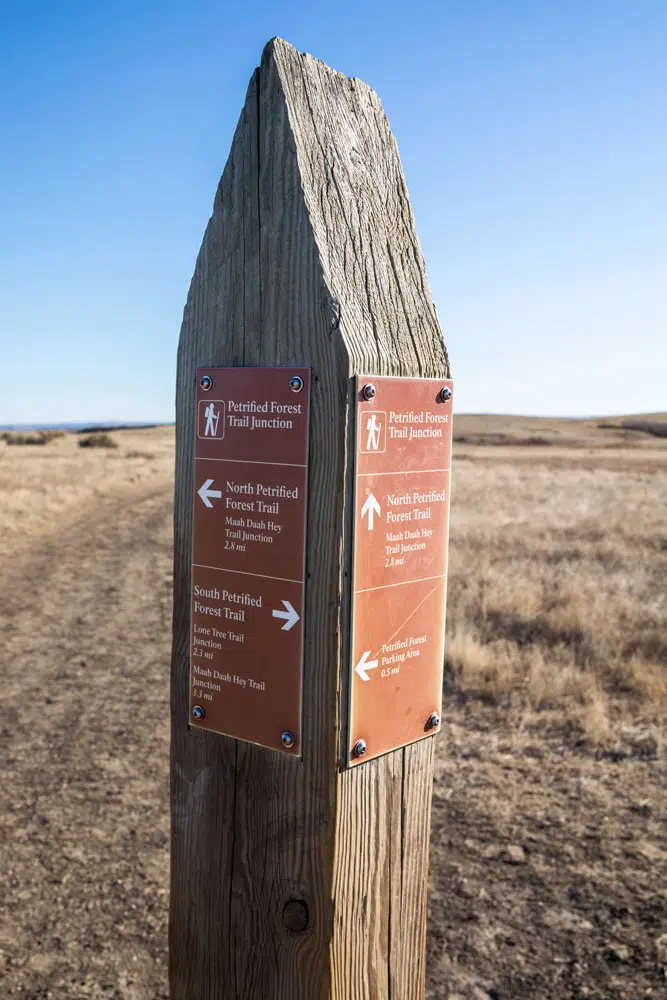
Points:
[(290, 615), (205, 492), (365, 664)]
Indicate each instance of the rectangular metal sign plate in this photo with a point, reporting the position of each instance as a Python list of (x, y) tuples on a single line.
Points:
[(401, 524), (248, 553)]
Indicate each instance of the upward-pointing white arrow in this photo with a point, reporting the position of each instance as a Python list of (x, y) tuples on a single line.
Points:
[(206, 493), (371, 508), (290, 615), (365, 664)]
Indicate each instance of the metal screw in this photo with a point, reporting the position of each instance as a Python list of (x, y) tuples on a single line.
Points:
[(206, 382), (287, 739), (359, 748), (445, 394), (198, 713), (433, 721), (368, 391), (296, 383)]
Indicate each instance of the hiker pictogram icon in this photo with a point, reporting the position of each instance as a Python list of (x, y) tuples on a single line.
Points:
[(211, 419), (373, 432)]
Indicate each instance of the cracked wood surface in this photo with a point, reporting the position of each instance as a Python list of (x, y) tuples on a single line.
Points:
[(310, 258)]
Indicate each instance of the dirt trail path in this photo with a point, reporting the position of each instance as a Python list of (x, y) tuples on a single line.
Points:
[(85, 632), (548, 865)]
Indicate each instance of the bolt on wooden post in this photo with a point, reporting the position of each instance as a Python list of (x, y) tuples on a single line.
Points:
[(311, 511)]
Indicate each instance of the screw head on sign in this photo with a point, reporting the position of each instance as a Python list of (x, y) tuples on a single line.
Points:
[(433, 721), (359, 748), (445, 394), (296, 383), (368, 391), (198, 713), (206, 382), (287, 739)]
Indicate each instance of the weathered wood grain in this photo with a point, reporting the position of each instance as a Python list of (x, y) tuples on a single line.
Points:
[(310, 258)]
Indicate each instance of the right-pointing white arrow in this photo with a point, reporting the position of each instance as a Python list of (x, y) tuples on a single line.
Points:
[(290, 614), (206, 493), (365, 664), (371, 508)]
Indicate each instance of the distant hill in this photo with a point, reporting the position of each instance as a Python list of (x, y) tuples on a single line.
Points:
[(84, 428), (648, 429)]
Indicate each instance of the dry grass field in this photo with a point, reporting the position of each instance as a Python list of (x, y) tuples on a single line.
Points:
[(549, 838)]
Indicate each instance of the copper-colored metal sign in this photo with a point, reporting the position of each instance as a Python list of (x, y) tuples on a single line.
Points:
[(401, 524), (248, 553)]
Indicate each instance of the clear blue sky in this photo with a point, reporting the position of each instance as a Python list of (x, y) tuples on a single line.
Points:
[(534, 141)]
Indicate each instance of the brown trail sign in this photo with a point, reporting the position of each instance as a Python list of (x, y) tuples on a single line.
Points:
[(298, 869), (248, 554), (401, 507)]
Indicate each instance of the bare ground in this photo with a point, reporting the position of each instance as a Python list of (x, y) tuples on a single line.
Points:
[(549, 840)]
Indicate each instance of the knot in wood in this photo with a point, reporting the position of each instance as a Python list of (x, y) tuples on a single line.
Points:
[(333, 311), (296, 916)]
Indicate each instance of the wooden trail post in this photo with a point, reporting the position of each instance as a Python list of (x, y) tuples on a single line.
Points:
[(299, 875)]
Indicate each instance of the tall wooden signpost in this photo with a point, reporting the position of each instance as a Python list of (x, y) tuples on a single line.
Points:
[(312, 498)]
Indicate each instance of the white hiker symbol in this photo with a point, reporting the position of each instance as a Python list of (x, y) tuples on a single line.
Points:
[(374, 429), (212, 419)]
